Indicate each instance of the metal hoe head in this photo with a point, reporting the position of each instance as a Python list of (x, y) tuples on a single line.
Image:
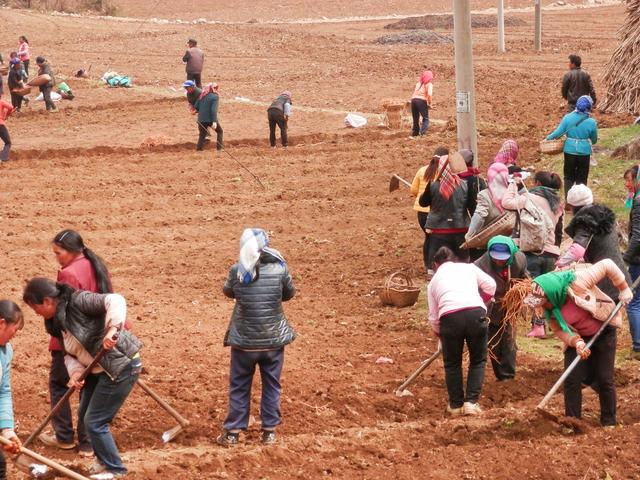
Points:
[(172, 433), (394, 183)]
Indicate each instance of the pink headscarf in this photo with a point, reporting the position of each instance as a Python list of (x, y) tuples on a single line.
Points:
[(508, 153), (211, 88), (426, 77), (286, 93), (498, 181)]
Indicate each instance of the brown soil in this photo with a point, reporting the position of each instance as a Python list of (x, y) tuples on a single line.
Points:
[(445, 22), (119, 165), (415, 36)]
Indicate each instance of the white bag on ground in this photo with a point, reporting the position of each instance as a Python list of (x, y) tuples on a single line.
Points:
[(355, 121), (56, 97)]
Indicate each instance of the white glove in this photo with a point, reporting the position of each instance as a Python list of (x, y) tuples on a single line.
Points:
[(582, 350), (626, 296)]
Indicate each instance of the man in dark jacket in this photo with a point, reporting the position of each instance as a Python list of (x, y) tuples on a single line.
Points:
[(194, 58), (257, 333), (205, 103), (576, 83), (503, 262), (45, 69), (278, 114), (16, 80)]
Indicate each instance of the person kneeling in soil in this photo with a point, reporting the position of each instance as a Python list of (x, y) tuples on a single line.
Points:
[(11, 321), (257, 333), (575, 309), (86, 323), (504, 262), (457, 297), (205, 102)]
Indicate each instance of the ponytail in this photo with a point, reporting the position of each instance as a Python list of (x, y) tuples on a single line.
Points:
[(102, 273), (71, 241)]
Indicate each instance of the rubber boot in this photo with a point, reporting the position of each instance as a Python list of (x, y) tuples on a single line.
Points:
[(537, 331)]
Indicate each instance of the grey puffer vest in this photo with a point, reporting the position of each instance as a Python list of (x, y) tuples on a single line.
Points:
[(82, 314), (258, 321)]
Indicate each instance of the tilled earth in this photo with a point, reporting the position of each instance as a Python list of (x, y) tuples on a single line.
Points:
[(120, 166)]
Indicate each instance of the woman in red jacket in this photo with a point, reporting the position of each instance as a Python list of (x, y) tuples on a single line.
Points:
[(83, 270)]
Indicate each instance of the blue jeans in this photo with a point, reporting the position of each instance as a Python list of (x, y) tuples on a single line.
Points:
[(243, 366), (101, 400), (633, 309)]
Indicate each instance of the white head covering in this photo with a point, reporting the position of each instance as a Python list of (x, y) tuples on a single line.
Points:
[(579, 196)]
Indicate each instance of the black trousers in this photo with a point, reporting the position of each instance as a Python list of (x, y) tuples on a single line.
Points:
[(419, 108), (16, 100), (576, 170), (25, 63), (276, 117), (597, 371), (451, 240), (46, 94), (4, 136), (196, 77), (468, 326), (503, 347), (422, 221), (3, 466), (62, 422), (202, 130)]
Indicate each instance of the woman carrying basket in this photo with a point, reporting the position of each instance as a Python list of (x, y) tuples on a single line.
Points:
[(582, 132)]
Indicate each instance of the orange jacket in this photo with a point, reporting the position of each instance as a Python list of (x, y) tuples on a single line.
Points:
[(6, 109)]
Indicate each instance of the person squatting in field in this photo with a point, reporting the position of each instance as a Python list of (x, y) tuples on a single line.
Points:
[(257, 334), (86, 323)]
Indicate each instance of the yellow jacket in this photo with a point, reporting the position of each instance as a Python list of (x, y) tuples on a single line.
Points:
[(417, 189)]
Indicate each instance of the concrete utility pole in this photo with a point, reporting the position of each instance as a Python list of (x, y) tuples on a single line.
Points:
[(465, 89), (538, 35), (501, 47)]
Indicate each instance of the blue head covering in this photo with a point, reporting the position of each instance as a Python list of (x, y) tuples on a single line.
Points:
[(584, 104)]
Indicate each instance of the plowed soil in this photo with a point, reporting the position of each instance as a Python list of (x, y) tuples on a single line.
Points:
[(120, 166)]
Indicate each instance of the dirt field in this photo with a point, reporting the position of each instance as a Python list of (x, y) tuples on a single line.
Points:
[(120, 166)]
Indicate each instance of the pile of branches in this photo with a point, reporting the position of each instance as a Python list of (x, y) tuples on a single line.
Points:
[(622, 72)]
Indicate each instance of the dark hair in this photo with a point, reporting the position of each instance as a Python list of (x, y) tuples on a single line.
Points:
[(71, 241), (23, 38), (633, 171), (40, 60), (432, 169), (444, 254), (548, 179), (13, 54), (11, 313), (575, 59), (38, 289)]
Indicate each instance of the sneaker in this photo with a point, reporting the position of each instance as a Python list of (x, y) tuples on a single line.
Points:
[(228, 439), (52, 441), (471, 408), (268, 437), (455, 412)]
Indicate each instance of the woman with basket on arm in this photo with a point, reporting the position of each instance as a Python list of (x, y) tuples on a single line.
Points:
[(576, 309), (582, 132)]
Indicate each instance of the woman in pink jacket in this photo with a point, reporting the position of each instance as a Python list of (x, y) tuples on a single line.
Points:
[(421, 103), (23, 52), (576, 309)]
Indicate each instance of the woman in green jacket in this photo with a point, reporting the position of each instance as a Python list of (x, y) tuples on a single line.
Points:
[(582, 132)]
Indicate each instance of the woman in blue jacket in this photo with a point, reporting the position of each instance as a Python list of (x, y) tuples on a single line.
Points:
[(582, 132), (10, 322)]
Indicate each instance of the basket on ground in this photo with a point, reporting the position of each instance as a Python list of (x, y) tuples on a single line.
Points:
[(399, 290), (552, 147), (503, 225)]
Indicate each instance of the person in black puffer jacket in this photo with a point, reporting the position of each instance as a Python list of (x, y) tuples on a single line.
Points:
[(594, 231), (257, 333)]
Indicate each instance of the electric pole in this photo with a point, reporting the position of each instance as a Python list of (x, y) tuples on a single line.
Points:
[(538, 35), (501, 47), (465, 90)]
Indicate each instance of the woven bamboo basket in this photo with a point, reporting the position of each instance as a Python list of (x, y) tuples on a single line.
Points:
[(22, 91), (39, 81), (552, 147), (392, 114), (503, 225), (399, 290)]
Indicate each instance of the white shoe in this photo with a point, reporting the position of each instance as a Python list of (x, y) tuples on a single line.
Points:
[(455, 412), (471, 408)]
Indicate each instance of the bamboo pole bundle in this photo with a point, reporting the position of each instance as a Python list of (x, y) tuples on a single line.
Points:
[(622, 72)]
